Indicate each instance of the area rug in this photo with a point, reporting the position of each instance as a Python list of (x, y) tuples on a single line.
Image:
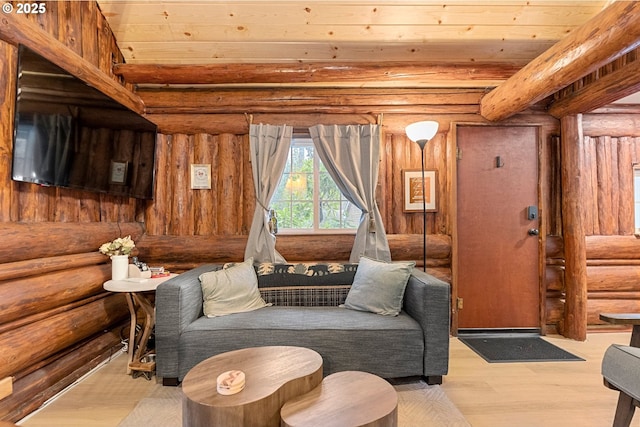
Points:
[(506, 349), (418, 405)]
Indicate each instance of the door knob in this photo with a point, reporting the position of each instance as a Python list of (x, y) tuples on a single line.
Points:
[(533, 232)]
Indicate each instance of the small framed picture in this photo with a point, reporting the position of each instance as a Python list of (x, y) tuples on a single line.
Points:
[(201, 176), (118, 172), (413, 197)]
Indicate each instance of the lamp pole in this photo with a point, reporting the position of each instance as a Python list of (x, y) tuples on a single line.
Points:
[(422, 143), (421, 133)]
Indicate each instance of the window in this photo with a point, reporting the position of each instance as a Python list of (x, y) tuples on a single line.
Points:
[(307, 199)]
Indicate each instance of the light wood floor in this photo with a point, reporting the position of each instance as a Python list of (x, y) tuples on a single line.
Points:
[(546, 394)]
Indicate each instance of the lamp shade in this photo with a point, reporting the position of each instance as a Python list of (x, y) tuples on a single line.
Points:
[(421, 131)]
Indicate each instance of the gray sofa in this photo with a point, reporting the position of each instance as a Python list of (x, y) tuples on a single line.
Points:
[(305, 313)]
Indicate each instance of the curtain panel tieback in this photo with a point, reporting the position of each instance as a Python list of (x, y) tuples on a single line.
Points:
[(266, 209)]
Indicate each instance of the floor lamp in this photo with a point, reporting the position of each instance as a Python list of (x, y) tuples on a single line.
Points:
[(421, 133)]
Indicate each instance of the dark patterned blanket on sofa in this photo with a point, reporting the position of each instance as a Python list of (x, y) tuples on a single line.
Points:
[(304, 284)]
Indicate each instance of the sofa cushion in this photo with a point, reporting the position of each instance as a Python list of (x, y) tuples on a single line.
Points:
[(346, 339), (379, 286), (231, 290), (621, 367)]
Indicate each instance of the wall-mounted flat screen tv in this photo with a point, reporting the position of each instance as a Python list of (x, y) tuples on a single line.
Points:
[(69, 134)]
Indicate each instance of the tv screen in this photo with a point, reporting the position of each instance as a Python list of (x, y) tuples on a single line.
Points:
[(68, 134)]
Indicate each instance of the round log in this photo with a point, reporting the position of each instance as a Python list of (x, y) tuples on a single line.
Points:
[(32, 343)]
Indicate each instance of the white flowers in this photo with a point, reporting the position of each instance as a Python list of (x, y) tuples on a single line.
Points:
[(120, 246)]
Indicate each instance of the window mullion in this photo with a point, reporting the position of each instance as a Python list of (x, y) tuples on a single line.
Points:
[(316, 192)]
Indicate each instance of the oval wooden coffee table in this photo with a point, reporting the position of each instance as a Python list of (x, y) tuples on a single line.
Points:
[(345, 399), (273, 376)]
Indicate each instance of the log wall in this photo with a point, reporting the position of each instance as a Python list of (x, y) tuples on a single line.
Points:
[(51, 275), (611, 147), (227, 209), (56, 321)]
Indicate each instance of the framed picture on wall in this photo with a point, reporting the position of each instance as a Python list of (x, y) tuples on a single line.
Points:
[(412, 191), (118, 172), (201, 176)]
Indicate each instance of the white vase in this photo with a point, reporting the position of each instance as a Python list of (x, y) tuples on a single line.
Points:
[(119, 267)]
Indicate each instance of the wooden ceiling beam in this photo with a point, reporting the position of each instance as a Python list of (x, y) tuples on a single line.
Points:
[(616, 85), (610, 34), (18, 30), (314, 99), (357, 73)]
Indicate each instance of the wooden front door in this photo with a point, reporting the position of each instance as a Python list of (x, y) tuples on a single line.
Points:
[(498, 273)]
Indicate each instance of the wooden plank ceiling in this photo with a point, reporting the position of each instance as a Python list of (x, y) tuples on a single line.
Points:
[(476, 37), (392, 43)]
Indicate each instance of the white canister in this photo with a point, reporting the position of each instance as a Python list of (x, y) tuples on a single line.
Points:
[(119, 267)]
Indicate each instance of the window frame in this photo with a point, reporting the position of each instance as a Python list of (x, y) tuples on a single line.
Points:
[(315, 230)]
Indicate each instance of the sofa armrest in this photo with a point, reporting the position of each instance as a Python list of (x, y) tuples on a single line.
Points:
[(178, 304), (427, 300)]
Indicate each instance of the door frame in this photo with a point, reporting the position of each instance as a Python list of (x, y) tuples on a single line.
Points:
[(543, 171)]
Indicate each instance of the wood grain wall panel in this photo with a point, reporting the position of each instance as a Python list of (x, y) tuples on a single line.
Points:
[(249, 196), (230, 185), (381, 193), (597, 306), (622, 278), (51, 277), (89, 31), (613, 247), (613, 268), (608, 175), (554, 308), (225, 209), (28, 268), (89, 208), (8, 64), (604, 189), (58, 332), (622, 197), (590, 174), (393, 203), (552, 186), (49, 291), (554, 248), (156, 214), (205, 220), (70, 25), (613, 125), (179, 253), (554, 277), (181, 222), (50, 239), (47, 21)]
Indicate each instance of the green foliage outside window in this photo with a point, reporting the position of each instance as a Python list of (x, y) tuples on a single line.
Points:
[(300, 204)]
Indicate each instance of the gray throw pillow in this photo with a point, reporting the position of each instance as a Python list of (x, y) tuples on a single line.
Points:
[(379, 286), (231, 290)]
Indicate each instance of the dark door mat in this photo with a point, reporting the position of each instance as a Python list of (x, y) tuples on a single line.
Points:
[(517, 349)]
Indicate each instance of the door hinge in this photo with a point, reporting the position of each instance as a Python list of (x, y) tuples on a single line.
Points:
[(458, 153), (459, 303)]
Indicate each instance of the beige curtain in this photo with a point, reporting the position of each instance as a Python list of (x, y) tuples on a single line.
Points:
[(269, 146), (351, 155)]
